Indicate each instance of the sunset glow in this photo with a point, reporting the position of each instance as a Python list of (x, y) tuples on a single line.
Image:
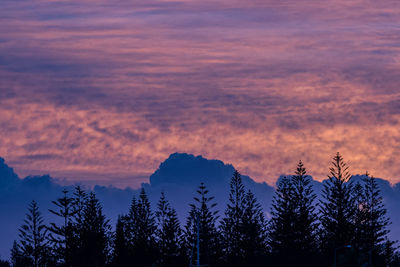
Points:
[(102, 91)]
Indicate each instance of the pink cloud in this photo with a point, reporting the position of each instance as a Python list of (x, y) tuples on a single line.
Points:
[(90, 89)]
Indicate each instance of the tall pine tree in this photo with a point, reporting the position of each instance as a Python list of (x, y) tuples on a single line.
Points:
[(371, 221), (120, 255), (201, 234), (95, 235), (168, 234), (281, 225), (337, 211), (142, 228), (232, 224), (254, 232), (32, 249), (305, 219), (75, 241), (61, 235)]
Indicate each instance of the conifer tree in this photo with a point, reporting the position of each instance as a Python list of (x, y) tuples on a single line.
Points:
[(168, 234), (201, 233), (62, 235), (121, 246), (232, 227), (18, 259), (281, 226), (370, 220), (337, 209), (32, 249), (95, 235), (254, 232), (78, 204), (305, 219), (142, 227)]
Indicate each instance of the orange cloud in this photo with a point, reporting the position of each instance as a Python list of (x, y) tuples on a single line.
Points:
[(96, 91)]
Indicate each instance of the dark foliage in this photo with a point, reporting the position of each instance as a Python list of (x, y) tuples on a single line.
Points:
[(371, 224), (254, 234), (243, 227), (305, 219), (232, 225), (32, 248), (61, 236), (281, 228), (338, 211), (168, 234), (95, 234), (120, 256), (4, 263), (141, 232), (201, 237)]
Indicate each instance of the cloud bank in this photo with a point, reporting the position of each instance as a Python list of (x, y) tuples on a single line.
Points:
[(102, 92)]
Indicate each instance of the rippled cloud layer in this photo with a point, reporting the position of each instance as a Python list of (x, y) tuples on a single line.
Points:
[(104, 91)]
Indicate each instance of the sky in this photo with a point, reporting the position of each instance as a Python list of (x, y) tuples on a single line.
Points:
[(103, 91)]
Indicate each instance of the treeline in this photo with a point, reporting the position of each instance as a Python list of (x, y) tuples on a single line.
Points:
[(347, 226)]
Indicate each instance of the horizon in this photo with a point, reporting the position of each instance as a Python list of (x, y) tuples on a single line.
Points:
[(126, 185)]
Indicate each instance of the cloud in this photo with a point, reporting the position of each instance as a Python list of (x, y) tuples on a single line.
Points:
[(256, 83)]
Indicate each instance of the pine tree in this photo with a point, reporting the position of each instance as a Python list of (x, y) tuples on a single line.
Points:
[(142, 227), (387, 255), (62, 235), (201, 222), (281, 226), (18, 259), (232, 224), (254, 232), (121, 246), (370, 220), (95, 235), (78, 205), (75, 241), (168, 233), (305, 220), (337, 209), (33, 248)]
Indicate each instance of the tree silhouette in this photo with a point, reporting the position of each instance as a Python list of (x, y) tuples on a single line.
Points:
[(305, 219), (370, 220), (121, 246), (32, 249), (232, 227), (95, 234), (168, 234), (141, 228), (62, 235), (337, 208), (18, 259), (201, 234), (281, 226), (79, 201), (254, 232), (350, 229)]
